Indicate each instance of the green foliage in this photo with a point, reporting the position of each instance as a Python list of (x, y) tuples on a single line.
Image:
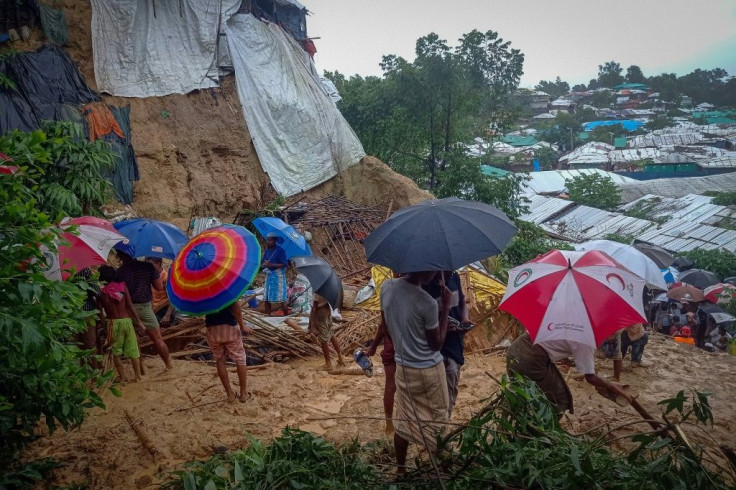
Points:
[(606, 134), (554, 89), (609, 74), (659, 122), (731, 307), (547, 158), (529, 242), (720, 262), (7, 83), (413, 117), (296, 459), (615, 237), (635, 75), (722, 198), (61, 166), (595, 190), (42, 376)]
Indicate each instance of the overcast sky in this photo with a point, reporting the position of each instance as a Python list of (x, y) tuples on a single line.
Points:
[(569, 38)]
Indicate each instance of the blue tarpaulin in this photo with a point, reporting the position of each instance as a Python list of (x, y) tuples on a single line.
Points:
[(628, 124)]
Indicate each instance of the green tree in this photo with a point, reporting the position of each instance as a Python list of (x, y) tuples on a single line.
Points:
[(659, 122), (703, 85), (555, 89), (529, 242), (425, 107), (63, 167), (720, 262), (635, 75), (547, 158), (42, 376), (595, 190), (609, 74), (668, 87), (603, 99), (606, 134)]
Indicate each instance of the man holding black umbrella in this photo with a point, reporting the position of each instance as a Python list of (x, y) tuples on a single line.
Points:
[(411, 316)]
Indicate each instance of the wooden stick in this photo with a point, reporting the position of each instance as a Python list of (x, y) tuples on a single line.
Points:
[(143, 437), (184, 353)]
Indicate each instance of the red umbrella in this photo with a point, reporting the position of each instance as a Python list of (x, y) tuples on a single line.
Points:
[(576, 296), (720, 293), (88, 245)]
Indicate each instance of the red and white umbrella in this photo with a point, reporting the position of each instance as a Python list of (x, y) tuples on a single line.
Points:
[(576, 296), (89, 245), (7, 169), (720, 293)]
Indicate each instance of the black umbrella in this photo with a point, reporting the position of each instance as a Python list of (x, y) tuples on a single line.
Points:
[(730, 280), (660, 256), (698, 278), (443, 234), (321, 276), (683, 264)]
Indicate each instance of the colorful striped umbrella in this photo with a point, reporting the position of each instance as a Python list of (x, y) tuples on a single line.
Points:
[(213, 270)]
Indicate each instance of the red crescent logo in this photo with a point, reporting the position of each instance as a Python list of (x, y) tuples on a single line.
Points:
[(549, 327), (616, 276)]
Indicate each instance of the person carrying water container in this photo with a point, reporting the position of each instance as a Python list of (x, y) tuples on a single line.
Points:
[(274, 266)]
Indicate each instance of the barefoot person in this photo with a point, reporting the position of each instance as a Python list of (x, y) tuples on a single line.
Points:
[(389, 367), (411, 316), (117, 307), (274, 265), (320, 325), (141, 278), (223, 337)]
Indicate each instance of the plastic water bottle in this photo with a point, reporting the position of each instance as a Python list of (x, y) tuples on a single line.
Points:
[(363, 361)]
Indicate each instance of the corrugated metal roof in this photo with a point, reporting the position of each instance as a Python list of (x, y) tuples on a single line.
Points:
[(678, 235), (586, 223), (592, 148), (554, 181), (651, 139), (678, 187), (621, 156), (583, 223), (542, 208), (720, 162), (691, 207)]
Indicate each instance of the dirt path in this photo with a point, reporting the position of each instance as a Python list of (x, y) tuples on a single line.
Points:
[(106, 452)]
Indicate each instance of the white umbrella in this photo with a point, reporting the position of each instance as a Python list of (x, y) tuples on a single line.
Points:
[(631, 258)]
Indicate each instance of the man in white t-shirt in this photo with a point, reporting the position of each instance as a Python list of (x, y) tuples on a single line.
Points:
[(537, 362), (411, 317)]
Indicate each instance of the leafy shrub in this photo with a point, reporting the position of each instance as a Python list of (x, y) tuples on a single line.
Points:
[(529, 242), (594, 190), (62, 166), (297, 459), (43, 376), (721, 262)]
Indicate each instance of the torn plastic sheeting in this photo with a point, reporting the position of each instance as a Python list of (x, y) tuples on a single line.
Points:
[(48, 77), (143, 48), (54, 24), (300, 136)]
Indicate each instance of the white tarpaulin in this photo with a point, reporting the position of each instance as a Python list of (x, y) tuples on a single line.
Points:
[(145, 48), (300, 136)]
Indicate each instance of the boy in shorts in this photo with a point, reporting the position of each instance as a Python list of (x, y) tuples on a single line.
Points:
[(117, 307), (320, 325)]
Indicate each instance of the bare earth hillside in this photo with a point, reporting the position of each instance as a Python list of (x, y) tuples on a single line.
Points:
[(195, 153)]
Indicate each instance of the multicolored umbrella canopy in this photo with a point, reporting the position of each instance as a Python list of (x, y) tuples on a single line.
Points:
[(576, 296), (213, 270), (88, 245)]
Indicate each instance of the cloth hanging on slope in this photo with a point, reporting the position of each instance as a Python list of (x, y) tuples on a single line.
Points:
[(300, 136), (100, 121), (143, 48), (54, 24)]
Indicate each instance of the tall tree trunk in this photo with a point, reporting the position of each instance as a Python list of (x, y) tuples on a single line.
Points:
[(432, 154)]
